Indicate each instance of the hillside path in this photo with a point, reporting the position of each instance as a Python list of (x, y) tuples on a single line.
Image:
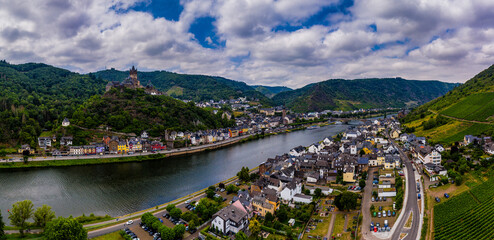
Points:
[(458, 119)]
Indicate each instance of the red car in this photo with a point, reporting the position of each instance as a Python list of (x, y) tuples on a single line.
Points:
[(375, 229)]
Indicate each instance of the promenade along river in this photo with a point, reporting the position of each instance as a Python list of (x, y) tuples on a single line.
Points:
[(118, 189)]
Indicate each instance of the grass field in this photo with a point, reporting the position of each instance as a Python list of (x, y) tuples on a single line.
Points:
[(477, 107), (26, 236), (468, 215)]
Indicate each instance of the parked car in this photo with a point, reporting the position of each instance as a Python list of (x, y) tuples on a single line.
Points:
[(379, 214), (446, 195), (386, 223), (380, 208), (384, 213), (389, 212), (438, 200), (384, 199), (373, 199), (418, 196)]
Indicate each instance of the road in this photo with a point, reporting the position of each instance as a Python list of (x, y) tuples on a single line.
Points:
[(180, 203), (411, 204)]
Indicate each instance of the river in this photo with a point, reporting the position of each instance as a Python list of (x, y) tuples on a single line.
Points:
[(122, 188)]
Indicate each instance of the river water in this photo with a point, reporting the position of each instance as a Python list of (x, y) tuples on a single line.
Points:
[(118, 189)]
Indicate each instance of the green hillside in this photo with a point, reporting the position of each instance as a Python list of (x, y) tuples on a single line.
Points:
[(341, 94), (36, 97), (476, 107), (269, 91), (468, 109), (133, 111), (190, 87)]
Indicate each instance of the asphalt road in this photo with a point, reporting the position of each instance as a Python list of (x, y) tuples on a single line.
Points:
[(412, 202)]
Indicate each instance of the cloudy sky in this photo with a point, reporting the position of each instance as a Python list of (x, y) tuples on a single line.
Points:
[(272, 42)]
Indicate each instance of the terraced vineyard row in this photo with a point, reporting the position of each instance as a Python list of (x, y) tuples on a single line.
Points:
[(462, 217)]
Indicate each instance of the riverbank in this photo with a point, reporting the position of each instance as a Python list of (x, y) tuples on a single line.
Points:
[(105, 159), (41, 162)]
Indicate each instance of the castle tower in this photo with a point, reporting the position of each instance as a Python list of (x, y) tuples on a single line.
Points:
[(133, 77)]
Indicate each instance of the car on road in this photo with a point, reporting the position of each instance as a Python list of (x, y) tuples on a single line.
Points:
[(187, 202), (130, 222), (438, 199), (446, 195)]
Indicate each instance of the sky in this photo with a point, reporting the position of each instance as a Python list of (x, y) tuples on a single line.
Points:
[(270, 42)]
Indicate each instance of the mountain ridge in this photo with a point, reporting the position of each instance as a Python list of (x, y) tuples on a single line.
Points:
[(341, 94)]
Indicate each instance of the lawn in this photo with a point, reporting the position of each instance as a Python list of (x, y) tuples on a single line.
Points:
[(26, 236), (321, 229), (339, 224), (110, 236)]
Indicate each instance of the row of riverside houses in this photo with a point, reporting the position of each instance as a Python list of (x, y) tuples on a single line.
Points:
[(283, 177)]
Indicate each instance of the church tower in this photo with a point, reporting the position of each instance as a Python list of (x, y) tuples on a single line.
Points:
[(133, 77)]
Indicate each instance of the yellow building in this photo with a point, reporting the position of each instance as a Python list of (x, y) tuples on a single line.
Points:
[(349, 174), (122, 147), (395, 134), (262, 206), (380, 160)]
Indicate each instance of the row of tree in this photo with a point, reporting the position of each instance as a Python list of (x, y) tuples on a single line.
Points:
[(54, 228)]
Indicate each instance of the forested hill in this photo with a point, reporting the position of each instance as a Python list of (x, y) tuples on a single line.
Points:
[(37, 96), (339, 94), (133, 111), (269, 91), (466, 110), (190, 87)]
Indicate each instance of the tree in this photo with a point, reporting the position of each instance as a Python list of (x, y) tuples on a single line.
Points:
[(167, 233), (178, 231), (346, 201), (169, 207), (232, 189), (2, 226), (176, 213), (317, 192), (243, 174), (362, 152), (282, 214), (43, 215), (20, 213), (255, 227), (269, 217), (65, 228), (210, 192), (240, 236), (361, 183), (221, 185)]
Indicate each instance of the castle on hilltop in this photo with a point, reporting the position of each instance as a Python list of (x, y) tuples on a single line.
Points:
[(133, 82)]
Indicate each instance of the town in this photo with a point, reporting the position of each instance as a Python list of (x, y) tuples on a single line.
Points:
[(298, 194)]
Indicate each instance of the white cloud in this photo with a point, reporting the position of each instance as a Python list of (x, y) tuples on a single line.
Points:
[(419, 39)]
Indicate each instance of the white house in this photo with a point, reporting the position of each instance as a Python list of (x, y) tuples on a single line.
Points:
[(327, 141), (290, 190), (65, 122), (353, 149), (301, 198), (297, 151), (426, 155), (230, 219), (314, 148)]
